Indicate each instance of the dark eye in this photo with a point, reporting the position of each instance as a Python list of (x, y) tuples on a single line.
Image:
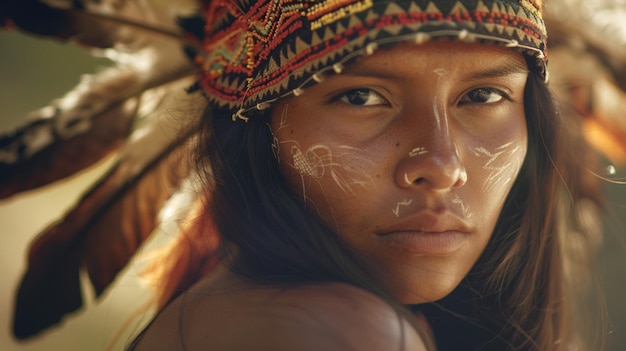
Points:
[(362, 97), (484, 96)]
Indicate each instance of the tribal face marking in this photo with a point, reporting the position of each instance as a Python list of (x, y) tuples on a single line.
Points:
[(499, 163), (394, 135), (459, 202), (404, 203), (283, 118), (318, 161), (314, 163), (418, 151), (406, 179), (440, 72)]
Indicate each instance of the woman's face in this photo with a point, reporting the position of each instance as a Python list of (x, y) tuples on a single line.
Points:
[(409, 154)]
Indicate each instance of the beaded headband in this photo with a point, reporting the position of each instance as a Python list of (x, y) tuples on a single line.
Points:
[(255, 52)]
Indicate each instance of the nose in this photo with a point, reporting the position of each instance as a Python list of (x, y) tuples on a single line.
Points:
[(434, 164)]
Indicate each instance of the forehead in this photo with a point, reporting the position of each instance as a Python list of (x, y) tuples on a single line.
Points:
[(453, 56)]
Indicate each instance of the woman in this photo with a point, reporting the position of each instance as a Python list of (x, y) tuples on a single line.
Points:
[(383, 175), (378, 175)]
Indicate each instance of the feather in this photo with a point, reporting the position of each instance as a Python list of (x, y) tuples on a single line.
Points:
[(596, 27), (96, 117), (111, 221), (97, 23), (107, 226), (69, 135), (588, 69), (116, 110), (605, 126)]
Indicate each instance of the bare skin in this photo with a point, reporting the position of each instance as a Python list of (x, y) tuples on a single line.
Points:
[(223, 312)]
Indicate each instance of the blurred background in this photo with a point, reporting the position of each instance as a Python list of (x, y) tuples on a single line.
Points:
[(33, 72)]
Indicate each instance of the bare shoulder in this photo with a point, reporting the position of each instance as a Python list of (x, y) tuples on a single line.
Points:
[(329, 316), (341, 317)]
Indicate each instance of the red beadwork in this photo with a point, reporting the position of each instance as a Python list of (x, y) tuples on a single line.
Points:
[(244, 37)]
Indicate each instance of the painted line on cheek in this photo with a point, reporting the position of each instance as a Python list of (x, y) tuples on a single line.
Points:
[(407, 180), (353, 175), (457, 201), (510, 143), (283, 117), (276, 148), (319, 161), (340, 182), (498, 174), (405, 202)]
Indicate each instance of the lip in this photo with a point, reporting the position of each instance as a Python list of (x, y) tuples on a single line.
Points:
[(427, 233)]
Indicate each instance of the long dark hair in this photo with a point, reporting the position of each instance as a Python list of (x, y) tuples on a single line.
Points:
[(514, 297), (518, 296)]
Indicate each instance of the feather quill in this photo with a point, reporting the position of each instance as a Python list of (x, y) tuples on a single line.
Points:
[(69, 135), (100, 116), (588, 68), (107, 226), (598, 27), (111, 221), (95, 118)]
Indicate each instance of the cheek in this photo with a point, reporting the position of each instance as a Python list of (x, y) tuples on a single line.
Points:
[(499, 166), (324, 173), (317, 163), (338, 169), (494, 165), (312, 162)]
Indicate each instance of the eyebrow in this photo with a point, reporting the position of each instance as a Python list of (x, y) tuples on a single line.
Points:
[(509, 67)]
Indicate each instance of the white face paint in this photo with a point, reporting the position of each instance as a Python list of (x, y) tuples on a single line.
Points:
[(441, 73), (404, 203), (456, 199), (499, 162), (283, 117), (407, 180), (418, 151), (319, 161)]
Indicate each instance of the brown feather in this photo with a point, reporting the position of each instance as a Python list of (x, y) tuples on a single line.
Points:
[(111, 221), (95, 118), (596, 27), (102, 233), (58, 142), (588, 69), (96, 23), (119, 231), (107, 226)]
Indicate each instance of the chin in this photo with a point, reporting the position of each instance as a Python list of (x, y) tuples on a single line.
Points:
[(420, 297), (429, 289)]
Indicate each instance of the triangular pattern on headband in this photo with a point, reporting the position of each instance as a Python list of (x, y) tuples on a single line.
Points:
[(257, 51)]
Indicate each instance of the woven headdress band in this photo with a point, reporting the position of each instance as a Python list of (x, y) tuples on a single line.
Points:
[(254, 52)]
